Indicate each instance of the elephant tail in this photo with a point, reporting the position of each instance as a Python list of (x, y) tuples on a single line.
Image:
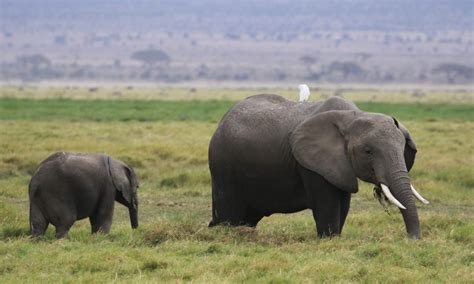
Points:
[(33, 188)]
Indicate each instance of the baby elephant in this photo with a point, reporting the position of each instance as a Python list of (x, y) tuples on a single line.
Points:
[(67, 187)]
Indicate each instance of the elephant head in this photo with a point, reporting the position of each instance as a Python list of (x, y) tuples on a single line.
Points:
[(342, 146), (126, 183)]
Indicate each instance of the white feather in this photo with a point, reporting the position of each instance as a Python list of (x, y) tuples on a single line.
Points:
[(304, 92)]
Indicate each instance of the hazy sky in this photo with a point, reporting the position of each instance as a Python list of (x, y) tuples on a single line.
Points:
[(219, 14)]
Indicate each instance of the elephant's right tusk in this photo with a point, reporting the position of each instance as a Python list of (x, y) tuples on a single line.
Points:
[(418, 196), (390, 197)]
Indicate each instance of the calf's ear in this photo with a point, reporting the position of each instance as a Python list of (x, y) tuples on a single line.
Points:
[(124, 179)]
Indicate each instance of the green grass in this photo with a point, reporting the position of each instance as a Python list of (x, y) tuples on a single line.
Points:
[(101, 110), (210, 110), (173, 243), (422, 111)]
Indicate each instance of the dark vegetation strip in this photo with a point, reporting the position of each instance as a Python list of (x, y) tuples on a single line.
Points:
[(212, 111)]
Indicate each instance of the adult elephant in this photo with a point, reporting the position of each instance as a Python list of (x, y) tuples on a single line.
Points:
[(271, 155), (67, 187)]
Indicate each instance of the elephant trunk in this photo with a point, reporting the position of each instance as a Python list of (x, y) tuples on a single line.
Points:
[(133, 212), (400, 187)]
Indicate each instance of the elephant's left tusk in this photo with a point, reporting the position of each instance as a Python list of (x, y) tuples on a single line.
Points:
[(390, 197), (418, 196)]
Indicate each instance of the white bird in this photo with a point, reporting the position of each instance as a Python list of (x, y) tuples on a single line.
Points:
[(304, 92)]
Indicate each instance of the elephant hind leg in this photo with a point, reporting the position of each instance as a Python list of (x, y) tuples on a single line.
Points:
[(38, 223), (230, 219), (63, 230), (63, 219), (227, 209), (252, 217), (238, 218)]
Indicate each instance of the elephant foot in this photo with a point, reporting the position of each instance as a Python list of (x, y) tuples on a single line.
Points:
[(213, 223)]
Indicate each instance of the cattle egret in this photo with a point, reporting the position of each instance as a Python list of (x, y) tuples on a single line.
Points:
[(304, 92)]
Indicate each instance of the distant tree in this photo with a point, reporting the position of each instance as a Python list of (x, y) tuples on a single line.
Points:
[(362, 56), (34, 61), (117, 63), (452, 71), (280, 75), (203, 71), (346, 69), (241, 76), (388, 77), (308, 61), (60, 40), (35, 66), (78, 73), (232, 36), (151, 57)]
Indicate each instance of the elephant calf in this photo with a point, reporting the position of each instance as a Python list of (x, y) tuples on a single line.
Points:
[(67, 187)]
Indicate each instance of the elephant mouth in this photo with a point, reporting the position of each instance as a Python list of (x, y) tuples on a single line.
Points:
[(385, 197), (381, 198)]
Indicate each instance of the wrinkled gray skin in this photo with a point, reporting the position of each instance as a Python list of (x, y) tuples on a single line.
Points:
[(67, 187), (270, 155)]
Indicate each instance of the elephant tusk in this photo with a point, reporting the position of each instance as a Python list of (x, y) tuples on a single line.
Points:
[(418, 196), (390, 197)]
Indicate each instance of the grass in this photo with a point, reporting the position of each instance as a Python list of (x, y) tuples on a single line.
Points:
[(173, 243), (209, 110), (319, 92), (102, 110)]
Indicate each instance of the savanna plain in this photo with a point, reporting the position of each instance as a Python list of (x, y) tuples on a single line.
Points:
[(164, 134)]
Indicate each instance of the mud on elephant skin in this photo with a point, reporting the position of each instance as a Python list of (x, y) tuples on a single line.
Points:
[(271, 155), (67, 187)]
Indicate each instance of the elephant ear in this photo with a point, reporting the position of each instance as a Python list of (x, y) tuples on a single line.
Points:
[(410, 146), (319, 145), (124, 179)]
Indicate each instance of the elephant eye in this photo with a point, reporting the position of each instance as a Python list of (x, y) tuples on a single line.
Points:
[(367, 150)]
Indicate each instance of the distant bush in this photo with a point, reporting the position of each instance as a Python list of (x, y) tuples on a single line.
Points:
[(34, 61), (60, 40), (232, 36), (151, 57), (347, 69), (453, 72), (308, 61), (35, 66)]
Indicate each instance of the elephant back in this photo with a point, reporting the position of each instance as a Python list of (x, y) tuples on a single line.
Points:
[(267, 111)]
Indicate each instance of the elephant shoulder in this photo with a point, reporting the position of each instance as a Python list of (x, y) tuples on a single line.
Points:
[(336, 103), (256, 108)]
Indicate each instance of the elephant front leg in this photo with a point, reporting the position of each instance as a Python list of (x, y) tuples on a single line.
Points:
[(327, 212), (345, 205), (330, 210), (326, 202), (101, 221)]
